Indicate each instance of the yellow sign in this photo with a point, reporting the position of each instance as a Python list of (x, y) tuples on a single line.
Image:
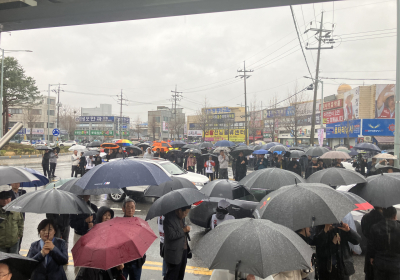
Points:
[(235, 135)]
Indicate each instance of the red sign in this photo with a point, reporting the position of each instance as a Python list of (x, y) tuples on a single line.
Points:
[(333, 116), (332, 105)]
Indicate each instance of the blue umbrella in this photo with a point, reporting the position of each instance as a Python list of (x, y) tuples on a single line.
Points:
[(241, 144), (260, 152), (270, 145), (121, 174), (367, 147), (224, 143), (42, 179), (353, 152)]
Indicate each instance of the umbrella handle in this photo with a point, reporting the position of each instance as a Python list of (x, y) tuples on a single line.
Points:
[(237, 269)]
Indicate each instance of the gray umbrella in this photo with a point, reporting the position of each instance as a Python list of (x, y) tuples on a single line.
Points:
[(192, 151), (172, 201), (52, 201), (72, 188), (90, 153), (316, 151), (219, 149), (304, 205), (12, 174), (278, 148), (258, 247), (380, 190), (296, 153), (244, 149), (175, 184), (270, 179), (224, 188), (335, 176)]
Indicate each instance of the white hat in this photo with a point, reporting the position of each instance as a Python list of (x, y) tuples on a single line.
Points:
[(223, 204)]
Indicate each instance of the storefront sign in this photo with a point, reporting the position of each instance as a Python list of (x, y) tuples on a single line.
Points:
[(333, 116), (195, 133), (165, 126), (341, 129), (125, 133), (378, 127), (94, 132), (123, 120), (332, 104), (235, 135), (218, 110), (96, 119), (221, 118), (35, 131)]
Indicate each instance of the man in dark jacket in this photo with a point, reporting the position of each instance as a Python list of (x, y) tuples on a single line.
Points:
[(367, 221), (97, 160), (176, 246), (384, 246), (241, 167), (179, 157), (261, 162), (46, 163), (82, 164), (200, 164), (333, 252), (312, 167)]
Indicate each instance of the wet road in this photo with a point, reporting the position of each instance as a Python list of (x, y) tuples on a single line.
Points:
[(152, 267)]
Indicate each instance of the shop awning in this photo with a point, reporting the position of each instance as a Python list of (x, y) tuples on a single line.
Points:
[(384, 139)]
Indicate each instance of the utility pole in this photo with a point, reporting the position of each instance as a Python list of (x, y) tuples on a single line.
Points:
[(244, 77), (177, 96), (320, 39), (120, 102), (397, 97)]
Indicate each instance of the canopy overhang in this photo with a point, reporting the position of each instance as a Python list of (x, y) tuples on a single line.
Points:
[(55, 13)]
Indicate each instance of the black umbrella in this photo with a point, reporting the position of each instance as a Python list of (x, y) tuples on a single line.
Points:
[(206, 157), (367, 147), (12, 174), (178, 144), (381, 190), (72, 188), (144, 145), (43, 148), (136, 150), (224, 188), (384, 169), (175, 184), (174, 200), (257, 247), (270, 145), (90, 153), (360, 202), (94, 144), (296, 154), (190, 146), (278, 148), (257, 147), (270, 179), (335, 176), (21, 267), (205, 145), (353, 152), (122, 173), (244, 149), (304, 205), (56, 149), (192, 151), (52, 201), (295, 148), (316, 151)]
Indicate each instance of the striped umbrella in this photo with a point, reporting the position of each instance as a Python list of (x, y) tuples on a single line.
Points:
[(124, 143)]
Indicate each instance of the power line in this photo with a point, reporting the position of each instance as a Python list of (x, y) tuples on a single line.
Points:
[(358, 79), (379, 30), (360, 6), (275, 59), (344, 41)]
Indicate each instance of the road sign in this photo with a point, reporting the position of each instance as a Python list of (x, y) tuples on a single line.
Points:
[(56, 132)]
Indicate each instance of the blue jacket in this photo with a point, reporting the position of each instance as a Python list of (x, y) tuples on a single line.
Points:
[(57, 258)]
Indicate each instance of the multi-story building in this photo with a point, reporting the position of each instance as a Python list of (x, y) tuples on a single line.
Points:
[(38, 121), (164, 123)]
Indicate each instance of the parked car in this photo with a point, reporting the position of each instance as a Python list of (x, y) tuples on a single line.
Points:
[(171, 169), (26, 142), (68, 143)]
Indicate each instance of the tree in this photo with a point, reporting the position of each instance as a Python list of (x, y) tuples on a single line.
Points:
[(203, 118), (67, 121), (292, 122), (18, 89), (254, 122), (30, 117), (152, 127), (272, 120), (137, 128)]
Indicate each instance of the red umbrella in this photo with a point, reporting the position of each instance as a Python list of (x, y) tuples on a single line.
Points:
[(117, 241)]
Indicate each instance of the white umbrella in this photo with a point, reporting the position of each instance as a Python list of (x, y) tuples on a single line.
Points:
[(385, 156), (78, 148)]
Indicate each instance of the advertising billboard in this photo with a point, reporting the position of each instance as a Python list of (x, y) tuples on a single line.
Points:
[(235, 135), (385, 101), (95, 119), (378, 127), (340, 129), (164, 126), (195, 133), (332, 104), (333, 116), (351, 103)]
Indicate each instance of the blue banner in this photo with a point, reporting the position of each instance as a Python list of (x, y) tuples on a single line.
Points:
[(378, 127), (340, 129)]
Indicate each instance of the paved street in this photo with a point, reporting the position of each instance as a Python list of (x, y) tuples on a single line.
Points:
[(152, 267)]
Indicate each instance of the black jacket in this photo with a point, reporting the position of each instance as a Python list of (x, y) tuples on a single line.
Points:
[(328, 252), (20, 192), (296, 170), (384, 246), (278, 164), (311, 169), (77, 222), (54, 267), (179, 157), (82, 162), (46, 158), (241, 169), (174, 238), (97, 160), (261, 165)]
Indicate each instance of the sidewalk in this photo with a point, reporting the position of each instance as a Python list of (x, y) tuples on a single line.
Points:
[(21, 160)]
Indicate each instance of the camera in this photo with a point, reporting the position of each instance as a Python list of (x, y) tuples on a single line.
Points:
[(337, 225)]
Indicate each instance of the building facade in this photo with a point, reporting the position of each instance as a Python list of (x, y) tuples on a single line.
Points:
[(165, 124), (103, 110)]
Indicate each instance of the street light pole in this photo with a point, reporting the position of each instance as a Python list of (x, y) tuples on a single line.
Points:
[(48, 111), (397, 98)]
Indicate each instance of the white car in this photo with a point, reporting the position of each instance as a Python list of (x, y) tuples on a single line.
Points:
[(171, 169), (68, 143), (25, 142)]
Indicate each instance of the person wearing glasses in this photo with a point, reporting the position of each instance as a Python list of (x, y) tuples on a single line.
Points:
[(5, 272), (50, 252)]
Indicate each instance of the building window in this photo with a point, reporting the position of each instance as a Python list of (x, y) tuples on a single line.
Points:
[(51, 112), (51, 125), (158, 119), (11, 124), (15, 111), (36, 112), (51, 101), (38, 125)]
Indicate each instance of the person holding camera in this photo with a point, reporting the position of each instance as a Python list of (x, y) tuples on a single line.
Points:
[(333, 252)]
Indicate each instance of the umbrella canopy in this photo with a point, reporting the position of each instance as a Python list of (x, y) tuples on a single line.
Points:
[(205, 145), (316, 151), (144, 145), (385, 168), (174, 200), (192, 151), (42, 180), (190, 146), (244, 149), (43, 148), (259, 142), (353, 152), (175, 184), (304, 205), (123, 173), (72, 188), (90, 153), (94, 144), (335, 155), (335, 176), (178, 144), (296, 153), (253, 246), (224, 143), (381, 190), (270, 179), (260, 152), (78, 148), (49, 201), (361, 203), (110, 146), (206, 156), (224, 188), (278, 148), (219, 149), (296, 148), (124, 143), (384, 156), (270, 145), (258, 147), (136, 150), (12, 174), (241, 144), (101, 248), (342, 149), (367, 147), (22, 267), (58, 183)]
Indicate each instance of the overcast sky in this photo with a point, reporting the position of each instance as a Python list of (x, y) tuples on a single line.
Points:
[(201, 54)]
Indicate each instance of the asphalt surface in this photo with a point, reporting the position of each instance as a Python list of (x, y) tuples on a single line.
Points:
[(152, 268)]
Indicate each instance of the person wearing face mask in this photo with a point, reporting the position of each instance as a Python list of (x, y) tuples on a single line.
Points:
[(222, 214), (50, 252)]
